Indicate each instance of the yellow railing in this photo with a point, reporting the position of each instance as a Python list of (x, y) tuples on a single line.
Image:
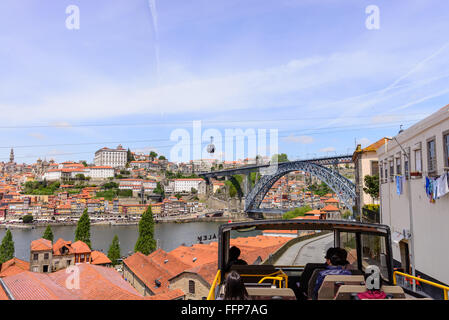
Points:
[(276, 276), (211, 295), (444, 288), (274, 280)]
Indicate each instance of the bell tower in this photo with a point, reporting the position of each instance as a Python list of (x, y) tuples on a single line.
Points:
[(11, 156)]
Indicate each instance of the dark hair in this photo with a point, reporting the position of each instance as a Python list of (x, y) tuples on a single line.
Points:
[(235, 288), (330, 252), (234, 253), (339, 257)]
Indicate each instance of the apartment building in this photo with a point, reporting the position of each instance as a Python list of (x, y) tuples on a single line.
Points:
[(186, 185), (366, 163), (418, 158), (115, 158)]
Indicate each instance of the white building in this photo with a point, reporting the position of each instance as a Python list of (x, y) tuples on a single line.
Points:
[(186, 185), (115, 158), (100, 172), (137, 184), (427, 144)]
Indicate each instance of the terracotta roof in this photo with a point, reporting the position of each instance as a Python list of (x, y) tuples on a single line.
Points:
[(153, 267), (41, 245), (99, 258), (331, 200), (330, 208), (29, 285), (169, 295), (57, 246), (3, 295), (98, 283), (13, 266), (80, 247)]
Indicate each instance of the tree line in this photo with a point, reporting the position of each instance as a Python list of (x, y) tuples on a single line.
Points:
[(145, 242)]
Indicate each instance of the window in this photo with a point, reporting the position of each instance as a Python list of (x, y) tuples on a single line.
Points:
[(418, 161), (391, 170), (374, 168), (45, 256), (191, 286), (431, 156), (35, 256), (398, 166), (446, 149), (35, 269), (407, 163)]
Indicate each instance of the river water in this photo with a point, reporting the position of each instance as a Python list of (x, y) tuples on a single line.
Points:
[(169, 236)]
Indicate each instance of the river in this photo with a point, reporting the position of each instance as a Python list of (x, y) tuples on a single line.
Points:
[(169, 236)]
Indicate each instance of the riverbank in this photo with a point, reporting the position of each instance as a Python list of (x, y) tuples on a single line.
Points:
[(123, 223)]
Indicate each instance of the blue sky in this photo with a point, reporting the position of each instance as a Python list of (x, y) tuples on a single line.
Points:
[(138, 69)]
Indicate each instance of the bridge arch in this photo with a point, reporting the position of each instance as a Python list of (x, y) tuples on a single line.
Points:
[(343, 187)]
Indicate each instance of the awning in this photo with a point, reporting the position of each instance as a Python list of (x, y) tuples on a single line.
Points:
[(397, 237)]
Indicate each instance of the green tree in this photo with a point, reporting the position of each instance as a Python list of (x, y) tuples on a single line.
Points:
[(27, 219), (145, 242), (372, 186), (153, 155), (194, 191), (178, 196), (7, 247), (82, 231), (281, 157), (162, 158), (114, 250), (48, 234), (296, 212), (80, 176), (84, 163), (129, 156)]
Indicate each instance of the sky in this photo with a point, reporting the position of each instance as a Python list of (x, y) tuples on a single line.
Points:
[(136, 72)]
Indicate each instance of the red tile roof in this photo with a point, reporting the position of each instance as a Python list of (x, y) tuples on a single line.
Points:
[(169, 295), (330, 208), (13, 266), (99, 258), (80, 247), (41, 245), (98, 283)]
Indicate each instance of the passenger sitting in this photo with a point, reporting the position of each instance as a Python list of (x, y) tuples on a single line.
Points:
[(235, 288), (336, 267), (344, 255), (234, 254), (308, 271)]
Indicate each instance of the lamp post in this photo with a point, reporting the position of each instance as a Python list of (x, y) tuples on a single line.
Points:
[(410, 211)]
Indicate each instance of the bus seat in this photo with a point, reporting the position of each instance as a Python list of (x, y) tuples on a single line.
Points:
[(312, 282), (345, 291), (331, 283), (271, 293)]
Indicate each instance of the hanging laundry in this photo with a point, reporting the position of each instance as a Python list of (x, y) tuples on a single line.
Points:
[(442, 186), (399, 185)]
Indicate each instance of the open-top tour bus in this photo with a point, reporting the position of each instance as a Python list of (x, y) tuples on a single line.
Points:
[(278, 276)]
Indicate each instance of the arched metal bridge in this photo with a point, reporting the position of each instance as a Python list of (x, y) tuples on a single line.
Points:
[(343, 187)]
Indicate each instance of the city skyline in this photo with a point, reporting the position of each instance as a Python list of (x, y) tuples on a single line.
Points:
[(137, 71)]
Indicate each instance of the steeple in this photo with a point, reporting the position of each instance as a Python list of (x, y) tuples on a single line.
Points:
[(11, 155)]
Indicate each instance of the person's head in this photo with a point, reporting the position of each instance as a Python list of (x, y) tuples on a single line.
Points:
[(235, 288), (338, 257), (234, 253), (329, 253)]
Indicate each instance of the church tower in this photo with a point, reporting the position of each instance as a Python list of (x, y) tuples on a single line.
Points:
[(11, 156)]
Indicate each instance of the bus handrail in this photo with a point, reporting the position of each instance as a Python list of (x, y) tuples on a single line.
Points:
[(274, 279), (211, 295), (434, 284)]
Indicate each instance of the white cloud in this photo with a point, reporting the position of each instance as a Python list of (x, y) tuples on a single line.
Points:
[(364, 142), (328, 149), (299, 139), (37, 135)]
